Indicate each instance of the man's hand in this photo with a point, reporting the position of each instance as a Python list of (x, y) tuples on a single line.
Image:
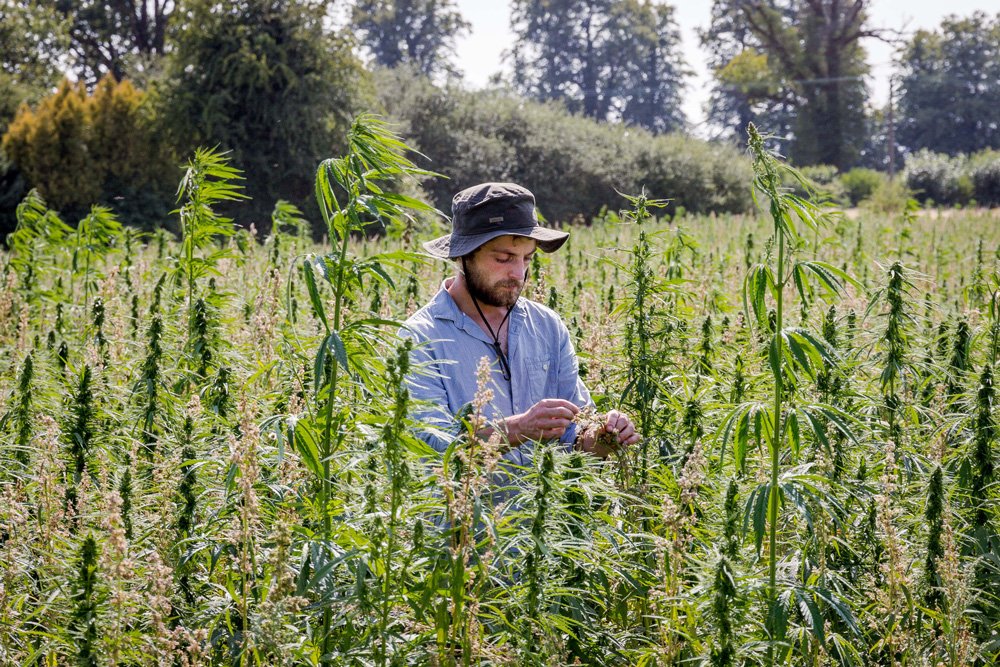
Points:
[(547, 419), (614, 423)]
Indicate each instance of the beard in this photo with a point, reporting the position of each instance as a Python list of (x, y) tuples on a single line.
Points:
[(501, 294)]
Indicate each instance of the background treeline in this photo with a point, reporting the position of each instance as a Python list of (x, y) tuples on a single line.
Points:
[(589, 101)]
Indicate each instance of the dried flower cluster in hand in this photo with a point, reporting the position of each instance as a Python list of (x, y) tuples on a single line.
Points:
[(590, 424)]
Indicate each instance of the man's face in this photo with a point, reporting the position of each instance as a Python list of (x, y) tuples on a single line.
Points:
[(495, 273)]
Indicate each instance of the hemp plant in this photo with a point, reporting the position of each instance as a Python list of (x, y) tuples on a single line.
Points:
[(21, 415), (38, 236), (790, 351), (208, 181), (642, 306), (350, 193), (96, 235)]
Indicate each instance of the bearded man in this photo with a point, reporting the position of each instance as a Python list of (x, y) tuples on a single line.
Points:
[(479, 311)]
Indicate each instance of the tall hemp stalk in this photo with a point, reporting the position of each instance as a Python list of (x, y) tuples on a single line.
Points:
[(791, 350), (350, 194), (96, 235), (208, 181), (641, 307)]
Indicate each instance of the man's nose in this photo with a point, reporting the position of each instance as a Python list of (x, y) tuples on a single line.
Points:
[(519, 269)]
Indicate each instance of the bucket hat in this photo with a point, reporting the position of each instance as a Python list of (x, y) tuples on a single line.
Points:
[(483, 212)]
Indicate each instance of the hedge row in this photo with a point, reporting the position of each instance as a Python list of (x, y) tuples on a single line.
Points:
[(936, 178), (574, 166)]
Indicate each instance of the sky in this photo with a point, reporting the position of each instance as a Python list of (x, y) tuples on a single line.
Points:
[(479, 53)]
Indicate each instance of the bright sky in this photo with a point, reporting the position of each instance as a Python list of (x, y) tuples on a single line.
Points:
[(479, 54)]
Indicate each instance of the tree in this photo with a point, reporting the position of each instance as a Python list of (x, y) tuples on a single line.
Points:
[(950, 88), (265, 80), (111, 36), (31, 38), (747, 87), (815, 59), (81, 149), (606, 59), (418, 33)]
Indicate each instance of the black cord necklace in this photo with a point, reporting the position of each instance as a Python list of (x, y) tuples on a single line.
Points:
[(501, 356)]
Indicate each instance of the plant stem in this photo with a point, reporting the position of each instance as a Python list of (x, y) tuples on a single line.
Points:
[(776, 442)]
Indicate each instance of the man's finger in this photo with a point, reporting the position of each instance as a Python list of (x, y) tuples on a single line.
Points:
[(616, 421), (559, 403), (556, 413)]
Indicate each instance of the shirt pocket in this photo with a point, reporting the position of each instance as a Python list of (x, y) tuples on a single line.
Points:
[(542, 378)]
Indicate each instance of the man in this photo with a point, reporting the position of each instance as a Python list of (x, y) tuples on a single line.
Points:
[(479, 312)]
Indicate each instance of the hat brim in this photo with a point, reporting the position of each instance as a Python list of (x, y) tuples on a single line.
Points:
[(453, 246)]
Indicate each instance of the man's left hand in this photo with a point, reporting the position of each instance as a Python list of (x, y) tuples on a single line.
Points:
[(617, 423), (620, 423)]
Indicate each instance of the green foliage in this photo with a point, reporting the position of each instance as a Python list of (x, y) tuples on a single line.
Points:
[(13, 189), (575, 167), (418, 33), (984, 170), (820, 181), (346, 352), (96, 235), (791, 352), (208, 181), (861, 183), (85, 620), (946, 105), (606, 60), (810, 88), (31, 40), (113, 38), (79, 148), (265, 80), (81, 425), (935, 177)]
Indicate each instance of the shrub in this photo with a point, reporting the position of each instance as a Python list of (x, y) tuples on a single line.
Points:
[(81, 149), (889, 197), (12, 190), (574, 165), (861, 183), (984, 171), (936, 177)]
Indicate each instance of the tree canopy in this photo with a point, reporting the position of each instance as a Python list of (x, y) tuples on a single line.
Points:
[(812, 81), (606, 59), (266, 80), (950, 87), (418, 33)]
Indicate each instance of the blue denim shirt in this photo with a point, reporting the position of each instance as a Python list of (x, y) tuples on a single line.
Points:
[(449, 345)]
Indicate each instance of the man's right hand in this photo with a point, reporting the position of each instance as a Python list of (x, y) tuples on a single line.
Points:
[(547, 419)]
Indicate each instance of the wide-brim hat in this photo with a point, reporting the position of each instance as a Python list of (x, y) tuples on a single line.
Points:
[(483, 212)]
